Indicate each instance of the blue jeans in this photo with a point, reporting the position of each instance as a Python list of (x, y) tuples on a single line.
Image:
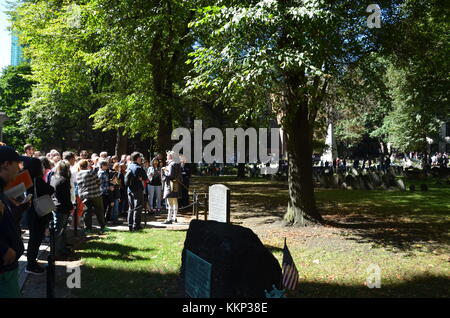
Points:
[(152, 192), (115, 211)]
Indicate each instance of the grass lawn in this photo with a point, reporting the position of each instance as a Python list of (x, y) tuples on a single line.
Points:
[(406, 234), (124, 264)]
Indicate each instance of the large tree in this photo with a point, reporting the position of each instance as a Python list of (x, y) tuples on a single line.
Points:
[(120, 61), (144, 46), (68, 85), (291, 49)]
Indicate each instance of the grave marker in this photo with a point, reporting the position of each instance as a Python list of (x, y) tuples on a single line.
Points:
[(219, 203)]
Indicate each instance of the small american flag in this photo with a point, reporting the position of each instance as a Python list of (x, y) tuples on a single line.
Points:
[(290, 272)]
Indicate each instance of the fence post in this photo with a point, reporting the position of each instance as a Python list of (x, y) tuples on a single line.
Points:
[(51, 261), (194, 205), (75, 220), (206, 206)]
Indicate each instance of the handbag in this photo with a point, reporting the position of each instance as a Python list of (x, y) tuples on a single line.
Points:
[(44, 204), (174, 186)]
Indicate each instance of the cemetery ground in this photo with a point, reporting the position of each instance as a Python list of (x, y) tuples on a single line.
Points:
[(405, 233)]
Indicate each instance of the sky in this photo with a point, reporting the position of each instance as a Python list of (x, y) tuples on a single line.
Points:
[(5, 37)]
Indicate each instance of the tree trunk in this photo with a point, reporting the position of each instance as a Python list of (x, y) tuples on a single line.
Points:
[(302, 208), (121, 143), (164, 133)]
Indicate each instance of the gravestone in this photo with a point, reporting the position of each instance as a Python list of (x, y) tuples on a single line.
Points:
[(359, 184), (392, 171), (389, 180), (324, 181), (336, 181), (219, 203), (315, 177), (241, 266), (350, 181), (375, 179), (401, 185), (368, 182), (412, 188)]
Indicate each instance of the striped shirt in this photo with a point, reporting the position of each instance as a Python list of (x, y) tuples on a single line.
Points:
[(88, 185)]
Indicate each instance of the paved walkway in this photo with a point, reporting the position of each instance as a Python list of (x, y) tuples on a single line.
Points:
[(23, 259)]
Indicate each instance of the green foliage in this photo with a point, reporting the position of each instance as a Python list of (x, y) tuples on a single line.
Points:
[(360, 101), (400, 95), (15, 90), (418, 77), (121, 62)]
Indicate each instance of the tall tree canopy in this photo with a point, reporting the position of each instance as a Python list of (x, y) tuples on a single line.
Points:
[(120, 61), (139, 67), (400, 94)]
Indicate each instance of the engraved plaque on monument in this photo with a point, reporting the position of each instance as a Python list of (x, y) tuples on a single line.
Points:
[(198, 276), (219, 203)]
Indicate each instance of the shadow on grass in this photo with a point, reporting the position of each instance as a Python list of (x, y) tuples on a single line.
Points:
[(98, 283), (101, 282), (418, 286), (398, 235), (104, 250), (393, 219)]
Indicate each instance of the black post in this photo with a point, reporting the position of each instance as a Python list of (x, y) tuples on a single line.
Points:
[(51, 262), (206, 206), (145, 211), (75, 221), (194, 205)]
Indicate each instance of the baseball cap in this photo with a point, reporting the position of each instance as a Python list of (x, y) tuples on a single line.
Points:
[(8, 153)]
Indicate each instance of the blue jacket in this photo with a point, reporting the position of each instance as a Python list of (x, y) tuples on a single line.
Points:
[(10, 236)]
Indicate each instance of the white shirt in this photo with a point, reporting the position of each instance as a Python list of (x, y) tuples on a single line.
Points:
[(73, 180)]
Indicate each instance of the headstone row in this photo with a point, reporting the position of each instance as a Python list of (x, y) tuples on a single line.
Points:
[(363, 179)]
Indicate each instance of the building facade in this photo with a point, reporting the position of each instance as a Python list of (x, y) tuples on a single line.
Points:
[(16, 51)]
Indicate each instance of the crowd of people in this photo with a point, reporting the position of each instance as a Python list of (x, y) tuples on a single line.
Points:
[(439, 159), (83, 185)]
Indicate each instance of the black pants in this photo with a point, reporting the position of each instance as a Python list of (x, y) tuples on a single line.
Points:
[(94, 206), (136, 202), (106, 206), (37, 226), (123, 205), (185, 193)]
